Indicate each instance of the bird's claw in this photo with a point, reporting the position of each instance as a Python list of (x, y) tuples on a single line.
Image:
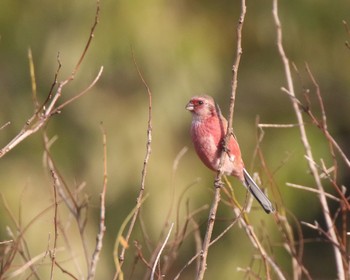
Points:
[(218, 183), (224, 147)]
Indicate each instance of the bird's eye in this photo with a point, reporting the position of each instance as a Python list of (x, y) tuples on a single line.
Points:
[(200, 102)]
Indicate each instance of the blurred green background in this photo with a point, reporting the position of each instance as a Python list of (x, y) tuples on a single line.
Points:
[(183, 48)]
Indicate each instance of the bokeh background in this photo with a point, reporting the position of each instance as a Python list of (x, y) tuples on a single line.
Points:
[(183, 48)]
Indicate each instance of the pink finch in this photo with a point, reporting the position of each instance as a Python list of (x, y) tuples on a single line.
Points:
[(208, 131)]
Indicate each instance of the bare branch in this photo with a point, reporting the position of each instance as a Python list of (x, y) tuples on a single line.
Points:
[(55, 221), (102, 227), (91, 36), (305, 141), (311, 190), (145, 164), (217, 183), (4, 125), (120, 239), (160, 251), (27, 265), (32, 77), (272, 125)]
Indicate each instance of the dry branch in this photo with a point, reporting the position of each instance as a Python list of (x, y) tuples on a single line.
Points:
[(217, 183), (144, 169), (160, 252), (102, 226), (307, 146)]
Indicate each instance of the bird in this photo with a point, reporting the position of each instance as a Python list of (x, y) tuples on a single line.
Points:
[(208, 130)]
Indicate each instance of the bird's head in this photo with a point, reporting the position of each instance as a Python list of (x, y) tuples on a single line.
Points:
[(202, 107)]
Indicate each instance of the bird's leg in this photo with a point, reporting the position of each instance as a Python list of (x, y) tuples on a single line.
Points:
[(224, 148)]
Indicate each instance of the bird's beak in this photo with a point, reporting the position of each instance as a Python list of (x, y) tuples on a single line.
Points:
[(189, 106)]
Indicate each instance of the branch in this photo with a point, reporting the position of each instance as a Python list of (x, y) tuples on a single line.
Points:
[(305, 141), (160, 251), (102, 227), (217, 183), (55, 221), (311, 190), (144, 169), (323, 124)]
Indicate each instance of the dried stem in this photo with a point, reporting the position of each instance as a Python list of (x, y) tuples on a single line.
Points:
[(91, 36), (33, 81), (286, 229), (323, 124), (55, 221), (102, 227), (197, 236), (120, 239), (4, 125), (312, 190), (160, 251), (27, 265), (144, 169), (217, 183), (6, 265), (308, 150), (73, 204), (208, 234), (256, 243)]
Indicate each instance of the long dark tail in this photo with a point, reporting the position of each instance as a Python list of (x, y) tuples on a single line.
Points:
[(257, 193)]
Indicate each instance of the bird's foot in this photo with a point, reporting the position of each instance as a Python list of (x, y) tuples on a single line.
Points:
[(218, 183), (224, 147)]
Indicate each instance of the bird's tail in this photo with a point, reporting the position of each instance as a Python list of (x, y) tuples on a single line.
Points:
[(257, 193)]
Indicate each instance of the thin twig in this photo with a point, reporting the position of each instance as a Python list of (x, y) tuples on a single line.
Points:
[(72, 202), (274, 125), (91, 36), (337, 188), (4, 125), (27, 265), (286, 229), (64, 271), (63, 189), (208, 234), (145, 164), (55, 221), (197, 236), (160, 251), (311, 190), (323, 125), (120, 239), (178, 236), (59, 108), (33, 81), (102, 226), (21, 231), (241, 216), (256, 243)]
